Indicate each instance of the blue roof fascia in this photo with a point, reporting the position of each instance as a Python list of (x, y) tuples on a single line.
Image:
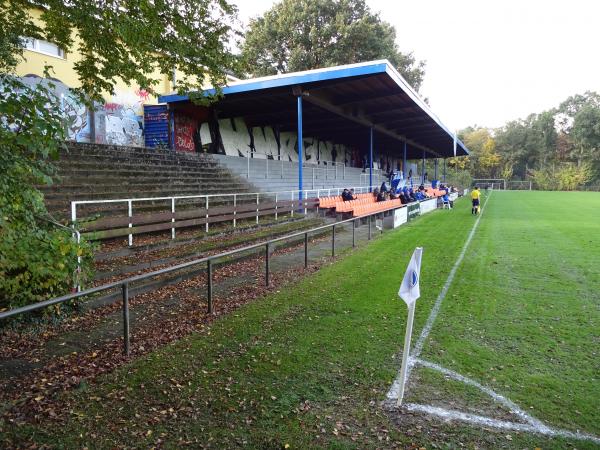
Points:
[(292, 80)]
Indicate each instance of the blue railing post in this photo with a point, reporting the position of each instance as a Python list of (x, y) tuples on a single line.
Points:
[(423, 169), (404, 172), (300, 145), (444, 170), (370, 158)]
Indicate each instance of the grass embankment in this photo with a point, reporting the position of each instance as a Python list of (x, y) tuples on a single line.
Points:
[(308, 366)]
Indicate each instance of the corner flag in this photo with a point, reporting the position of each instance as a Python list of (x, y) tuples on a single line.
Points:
[(409, 292), (409, 289)]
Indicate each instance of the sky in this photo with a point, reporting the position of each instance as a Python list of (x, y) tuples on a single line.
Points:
[(492, 61)]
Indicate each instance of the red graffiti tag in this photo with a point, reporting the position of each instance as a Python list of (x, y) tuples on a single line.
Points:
[(185, 128), (143, 94)]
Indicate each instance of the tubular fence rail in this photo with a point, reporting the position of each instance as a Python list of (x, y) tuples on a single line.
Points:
[(241, 205), (124, 284)]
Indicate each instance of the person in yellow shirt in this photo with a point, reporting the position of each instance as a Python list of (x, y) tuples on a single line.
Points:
[(475, 196)]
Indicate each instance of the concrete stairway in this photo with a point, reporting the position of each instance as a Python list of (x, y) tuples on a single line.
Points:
[(100, 172), (276, 176), (103, 172)]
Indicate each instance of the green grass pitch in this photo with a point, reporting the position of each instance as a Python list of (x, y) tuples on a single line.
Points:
[(310, 365)]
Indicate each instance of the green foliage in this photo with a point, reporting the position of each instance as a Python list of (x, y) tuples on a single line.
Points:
[(133, 41), (570, 176), (37, 260), (39, 264), (308, 34), (483, 161), (15, 24), (555, 148), (567, 177)]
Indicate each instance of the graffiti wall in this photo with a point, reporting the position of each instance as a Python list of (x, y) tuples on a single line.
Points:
[(185, 129), (268, 143), (76, 113), (120, 121)]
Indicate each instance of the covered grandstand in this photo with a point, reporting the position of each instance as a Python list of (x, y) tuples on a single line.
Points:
[(360, 115)]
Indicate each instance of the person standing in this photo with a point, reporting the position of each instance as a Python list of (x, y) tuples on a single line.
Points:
[(475, 197)]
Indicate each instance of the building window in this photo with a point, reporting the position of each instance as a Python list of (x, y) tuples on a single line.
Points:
[(45, 47)]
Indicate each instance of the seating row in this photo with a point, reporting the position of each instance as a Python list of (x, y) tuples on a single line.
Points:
[(330, 202), (370, 208), (341, 207)]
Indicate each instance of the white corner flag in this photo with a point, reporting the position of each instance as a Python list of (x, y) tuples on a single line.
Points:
[(409, 292)]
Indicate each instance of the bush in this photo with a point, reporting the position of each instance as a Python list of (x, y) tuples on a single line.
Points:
[(39, 264), (568, 177), (37, 260)]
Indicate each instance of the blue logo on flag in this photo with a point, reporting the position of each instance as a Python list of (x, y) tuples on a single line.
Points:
[(414, 280)]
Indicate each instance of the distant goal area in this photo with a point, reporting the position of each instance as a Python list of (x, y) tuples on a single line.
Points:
[(502, 184)]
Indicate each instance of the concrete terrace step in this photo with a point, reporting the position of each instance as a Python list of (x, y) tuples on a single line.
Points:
[(115, 184), (137, 166), (123, 173), (101, 159), (65, 196), (150, 155)]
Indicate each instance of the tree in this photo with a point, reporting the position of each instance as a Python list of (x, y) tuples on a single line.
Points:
[(484, 161), (586, 135), (37, 258), (128, 40), (299, 35), (134, 41)]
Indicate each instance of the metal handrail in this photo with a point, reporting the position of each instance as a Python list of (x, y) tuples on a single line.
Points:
[(124, 284), (206, 197), (304, 164)]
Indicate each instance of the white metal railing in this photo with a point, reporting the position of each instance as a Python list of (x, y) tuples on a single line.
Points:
[(272, 168), (234, 198)]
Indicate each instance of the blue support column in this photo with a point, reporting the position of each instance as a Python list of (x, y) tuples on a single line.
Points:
[(423, 169), (404, 172), (444, 170), (370, 158), (300, 145), (435, 169), (172, 130)]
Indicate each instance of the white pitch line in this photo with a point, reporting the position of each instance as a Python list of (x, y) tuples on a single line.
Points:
[(438, 302), (533, 425), (497, 397), (393, 392), (450, 414)]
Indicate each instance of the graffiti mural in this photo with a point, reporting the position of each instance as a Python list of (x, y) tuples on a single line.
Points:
[(121, 120), (185, 128), (75, 112)]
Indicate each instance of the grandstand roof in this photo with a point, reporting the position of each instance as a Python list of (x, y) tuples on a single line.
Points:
[(340, 104)]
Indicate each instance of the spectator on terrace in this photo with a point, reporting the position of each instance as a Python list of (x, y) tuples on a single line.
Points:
[(384, 187), (381, 197), (393, 195), (346, 195), (414, 194), (352, 194)]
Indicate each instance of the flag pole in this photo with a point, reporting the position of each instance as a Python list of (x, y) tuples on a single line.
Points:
[(407, 338), (409, 292)]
